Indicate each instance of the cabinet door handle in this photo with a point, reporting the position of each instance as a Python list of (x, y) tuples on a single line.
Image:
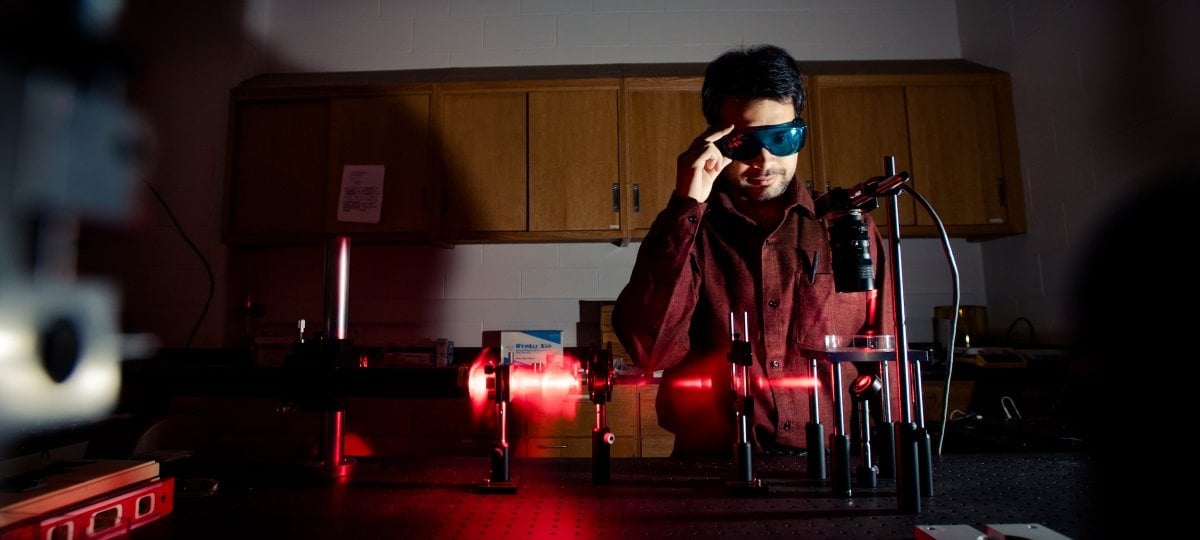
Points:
[(552, 446), (637, 198), (616, 197), (1002, 192)]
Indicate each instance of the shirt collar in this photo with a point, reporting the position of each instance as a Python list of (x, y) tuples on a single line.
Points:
[(722, 196)]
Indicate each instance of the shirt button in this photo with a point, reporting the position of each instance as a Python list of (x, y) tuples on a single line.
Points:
[(774, 363), (691, 219), (773, 302), (787, 426)]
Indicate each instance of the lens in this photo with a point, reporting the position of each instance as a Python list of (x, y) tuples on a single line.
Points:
[(780, 140), (850, 244)]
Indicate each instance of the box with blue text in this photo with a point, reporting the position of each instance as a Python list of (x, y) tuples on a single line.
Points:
[(540, 349)]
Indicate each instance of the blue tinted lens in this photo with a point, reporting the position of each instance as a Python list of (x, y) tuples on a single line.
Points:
[(780, 140)]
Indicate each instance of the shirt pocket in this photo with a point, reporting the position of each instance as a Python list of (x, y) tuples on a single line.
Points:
[(816, 305)]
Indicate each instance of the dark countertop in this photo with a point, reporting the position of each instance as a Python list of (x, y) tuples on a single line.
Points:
[(646, 498)]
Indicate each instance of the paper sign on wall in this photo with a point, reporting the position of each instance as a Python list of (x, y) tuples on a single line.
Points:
[(361, 196)]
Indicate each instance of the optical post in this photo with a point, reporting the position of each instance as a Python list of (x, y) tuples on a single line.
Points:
[(600, 379), (886, 443), (815, 432), (840, 441), (924, 445), (908, 492), (741, 357), (313, 369), (862, 390), (846, 206), (500, 481)]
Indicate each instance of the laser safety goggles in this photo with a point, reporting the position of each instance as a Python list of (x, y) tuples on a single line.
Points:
[(779, 139)]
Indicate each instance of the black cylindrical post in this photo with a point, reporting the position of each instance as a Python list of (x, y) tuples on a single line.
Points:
[(814, 432), (866, 472), (840, 441)]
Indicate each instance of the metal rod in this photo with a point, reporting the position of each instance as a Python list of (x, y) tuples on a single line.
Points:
[(337, 287), (840, 441), (908, 489), (902, 366), (838, 414), (343, 285)]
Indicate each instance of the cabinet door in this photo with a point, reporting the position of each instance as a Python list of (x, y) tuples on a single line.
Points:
[(855, 125), (573, 160), (481, 157), (538, 432), (654, 440), (275, 183), (392, 131), (662, 117), (956, 154)]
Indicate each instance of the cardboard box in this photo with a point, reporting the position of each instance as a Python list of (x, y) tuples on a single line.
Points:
[(541, 349)]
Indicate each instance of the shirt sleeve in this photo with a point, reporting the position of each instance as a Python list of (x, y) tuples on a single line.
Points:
[(652, 312)]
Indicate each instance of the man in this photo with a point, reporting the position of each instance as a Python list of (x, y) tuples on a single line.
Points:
[(740, 242)]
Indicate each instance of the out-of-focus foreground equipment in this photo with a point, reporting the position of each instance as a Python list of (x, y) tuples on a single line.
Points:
[(68, 145)]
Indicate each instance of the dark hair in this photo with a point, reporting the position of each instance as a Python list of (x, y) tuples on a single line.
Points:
[(757, 72)]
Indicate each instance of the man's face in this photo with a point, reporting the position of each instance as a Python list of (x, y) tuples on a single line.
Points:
[(764, 176)]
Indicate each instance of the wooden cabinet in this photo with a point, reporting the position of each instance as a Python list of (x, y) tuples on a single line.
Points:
[(852, 130), (276, 172), (653, 440), (390, 130), (953, 132), (287, 153), (963, 143), (574, 182), (529, 157), (571, 153), (483, 188), (630, 416), (661, 118)]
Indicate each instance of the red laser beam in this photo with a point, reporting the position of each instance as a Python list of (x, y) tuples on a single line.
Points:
[(706, 383), (551, 391)]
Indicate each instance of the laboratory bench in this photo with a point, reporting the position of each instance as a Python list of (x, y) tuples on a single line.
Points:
[(452, 497)]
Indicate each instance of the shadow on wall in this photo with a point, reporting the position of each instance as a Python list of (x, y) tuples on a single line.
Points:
[(181, 283), (191, 56), (1136, 303)]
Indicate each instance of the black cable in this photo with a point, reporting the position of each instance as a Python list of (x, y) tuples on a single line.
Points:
[(954, 319), (211, 281)]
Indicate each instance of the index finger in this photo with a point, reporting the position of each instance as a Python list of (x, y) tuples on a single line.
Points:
[(716, 135), (710, 136)]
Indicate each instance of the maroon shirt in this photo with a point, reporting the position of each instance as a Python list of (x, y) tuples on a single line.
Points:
[(699, 263)]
